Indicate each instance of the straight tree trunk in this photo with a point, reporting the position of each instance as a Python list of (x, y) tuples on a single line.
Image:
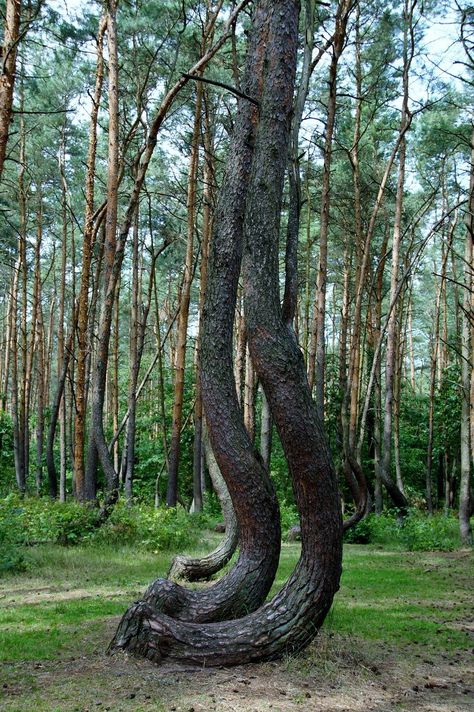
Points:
[(172, 490), (317, 369), (467, 380), (208, 197), (11, 36), (86, 490), (408, 51)]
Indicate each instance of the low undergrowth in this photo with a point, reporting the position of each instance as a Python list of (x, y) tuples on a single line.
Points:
[(25, 523), (415, 532)]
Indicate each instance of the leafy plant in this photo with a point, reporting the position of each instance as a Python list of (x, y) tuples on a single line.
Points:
[(11, 553)]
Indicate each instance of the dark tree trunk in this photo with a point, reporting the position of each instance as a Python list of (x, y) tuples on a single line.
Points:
[(288, 622), (246, 586)]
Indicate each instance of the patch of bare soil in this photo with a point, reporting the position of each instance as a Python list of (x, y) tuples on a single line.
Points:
[(336, 674)]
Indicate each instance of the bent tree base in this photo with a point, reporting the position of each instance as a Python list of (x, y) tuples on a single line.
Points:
[(202, 568)]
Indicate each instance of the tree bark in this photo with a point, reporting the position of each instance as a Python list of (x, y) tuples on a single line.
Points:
[(290, 621), (397, 496), (467, 354), (342, 15), (185, 296), (245, 587), (11, 36), (86, 490)]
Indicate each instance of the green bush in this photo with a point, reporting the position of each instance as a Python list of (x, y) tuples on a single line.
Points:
[(360, 533), (11, 535), (415, 532), (148, 528), (57, 522), (289, 517)]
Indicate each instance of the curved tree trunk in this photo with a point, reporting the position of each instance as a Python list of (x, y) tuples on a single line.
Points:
[(247, 584), (202, 568), (289, 621)]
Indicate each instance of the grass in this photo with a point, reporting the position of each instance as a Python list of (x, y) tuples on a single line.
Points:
[(65, 606)]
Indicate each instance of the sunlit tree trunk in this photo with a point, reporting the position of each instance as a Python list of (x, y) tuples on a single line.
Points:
[(408, 51), (11, 36)]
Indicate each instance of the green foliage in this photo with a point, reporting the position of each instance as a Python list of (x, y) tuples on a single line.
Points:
[(289, 517), (11, 529), (148, 528), (415, 532), (65, 523), (40, 521)]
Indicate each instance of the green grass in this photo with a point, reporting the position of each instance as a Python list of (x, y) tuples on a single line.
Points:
[(57, 618), (63, 603)]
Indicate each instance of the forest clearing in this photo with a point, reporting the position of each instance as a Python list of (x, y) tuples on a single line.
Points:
[(237, 283), (400, 637)]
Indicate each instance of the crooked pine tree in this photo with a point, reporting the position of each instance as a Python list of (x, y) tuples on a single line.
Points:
[(292, 618)]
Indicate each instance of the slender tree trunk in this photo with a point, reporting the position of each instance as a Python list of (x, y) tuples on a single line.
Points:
[(294, 176), (408, 51), (172, 491), (208, 191), (86, 490), (319, 317), (467, 380), (111, 273), (38, 330), (11, 36)]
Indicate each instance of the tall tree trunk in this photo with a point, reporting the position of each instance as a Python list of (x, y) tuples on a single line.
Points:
[(179, 366), (11, 36), (86, 490), (38, 329), (294, 176), (467, 380), (292, 618), (408, 51), (146, 153), (111, 276), (317, 360), (208, 193)]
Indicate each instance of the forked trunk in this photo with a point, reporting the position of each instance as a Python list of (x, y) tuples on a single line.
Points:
[(247, 584), (289, 621)]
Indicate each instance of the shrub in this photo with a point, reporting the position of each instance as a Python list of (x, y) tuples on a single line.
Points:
[(415, 532), (289, 517), (360, 533), (148, 528), (57, 522), (11, 535)]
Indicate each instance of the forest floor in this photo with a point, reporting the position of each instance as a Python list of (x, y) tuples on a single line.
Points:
[(399, 638)]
